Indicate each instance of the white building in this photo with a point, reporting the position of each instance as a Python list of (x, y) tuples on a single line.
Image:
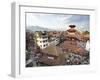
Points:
[(55, 41), (41, 39), (42, 42), (87, 45)]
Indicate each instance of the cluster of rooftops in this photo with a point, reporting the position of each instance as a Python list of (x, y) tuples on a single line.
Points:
[(70, 41)]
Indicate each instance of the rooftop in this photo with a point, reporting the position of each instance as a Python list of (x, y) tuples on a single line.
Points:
[(72, 26), (52, 50)]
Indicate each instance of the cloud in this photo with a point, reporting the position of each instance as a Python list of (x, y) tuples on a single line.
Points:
[(57, 21), (79, 18), (81, 21)]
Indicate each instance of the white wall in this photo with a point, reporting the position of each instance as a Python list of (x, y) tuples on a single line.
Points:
[(5, 39)]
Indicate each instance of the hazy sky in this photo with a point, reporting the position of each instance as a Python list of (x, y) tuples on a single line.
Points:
[(57, 21)]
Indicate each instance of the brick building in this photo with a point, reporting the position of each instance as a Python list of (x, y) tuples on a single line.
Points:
[(72, 42), (52, 55)]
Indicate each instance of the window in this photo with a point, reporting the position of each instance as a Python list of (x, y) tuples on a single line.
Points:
[(40, 41), (43, 41), (46, 40), (44, 45), (40, 45)]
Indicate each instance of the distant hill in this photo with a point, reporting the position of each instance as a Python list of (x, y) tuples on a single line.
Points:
[(27, 30), (37, 28)]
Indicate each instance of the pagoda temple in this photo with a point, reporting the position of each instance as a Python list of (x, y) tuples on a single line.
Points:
[(72, 41)]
